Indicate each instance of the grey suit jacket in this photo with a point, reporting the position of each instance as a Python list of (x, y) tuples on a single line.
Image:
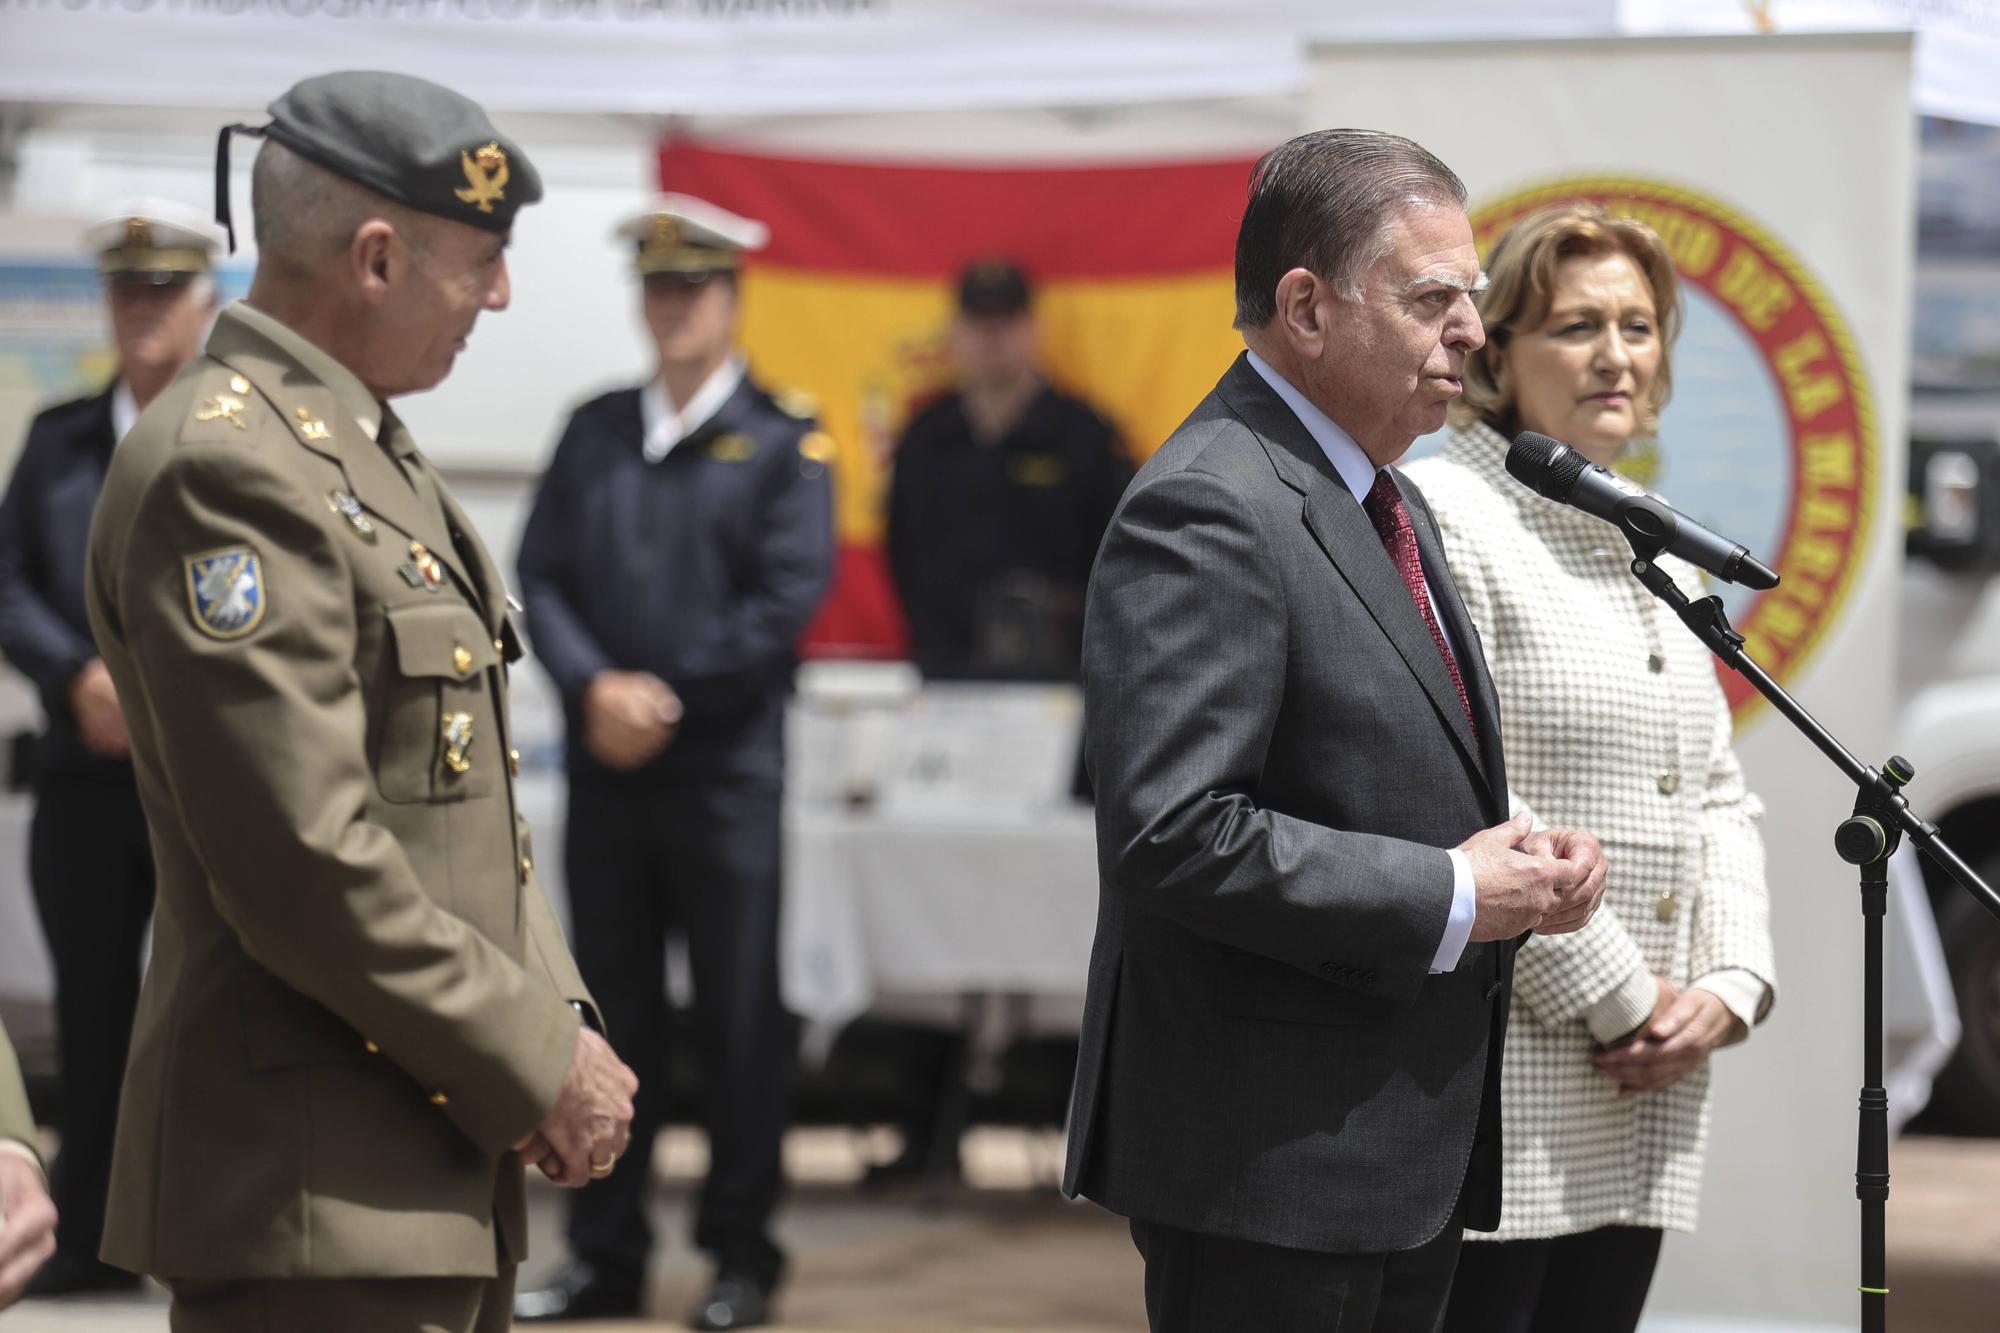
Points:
[(1280, 761)]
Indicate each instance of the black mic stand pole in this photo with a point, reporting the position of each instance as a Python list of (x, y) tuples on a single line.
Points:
[(1882, 816)]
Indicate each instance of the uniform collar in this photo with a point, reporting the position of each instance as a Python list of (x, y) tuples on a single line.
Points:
[(124, 409), (663, 426), (348, 391), (1357, 470)]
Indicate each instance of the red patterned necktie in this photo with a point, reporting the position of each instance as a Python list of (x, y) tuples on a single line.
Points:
[(1391, 517)]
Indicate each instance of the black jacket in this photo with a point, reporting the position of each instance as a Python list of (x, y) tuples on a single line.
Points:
[(703, 568), (44, 533)]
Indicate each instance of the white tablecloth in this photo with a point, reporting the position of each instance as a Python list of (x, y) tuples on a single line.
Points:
[(881, 904)]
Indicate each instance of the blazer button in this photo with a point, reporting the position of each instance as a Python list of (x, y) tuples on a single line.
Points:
[(371, 1048), (1493, 991), (439, 1099)]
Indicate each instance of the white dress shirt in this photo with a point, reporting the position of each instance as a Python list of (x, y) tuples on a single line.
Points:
[(124, 410), (666, 426), (1358, 471)]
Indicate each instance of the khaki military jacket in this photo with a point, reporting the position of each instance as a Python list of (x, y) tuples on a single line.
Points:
[(17, 1126), (358, 996)]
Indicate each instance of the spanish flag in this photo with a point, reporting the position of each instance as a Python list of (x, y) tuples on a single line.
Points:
[(850, 301)]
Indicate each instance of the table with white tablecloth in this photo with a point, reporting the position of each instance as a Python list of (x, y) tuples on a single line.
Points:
[(881, 908)]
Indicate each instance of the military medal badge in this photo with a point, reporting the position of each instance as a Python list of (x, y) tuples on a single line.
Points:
[(457, 741), (349, 508)]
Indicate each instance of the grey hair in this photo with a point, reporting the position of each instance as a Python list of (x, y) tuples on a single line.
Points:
[(1324, 202), (306, 215)]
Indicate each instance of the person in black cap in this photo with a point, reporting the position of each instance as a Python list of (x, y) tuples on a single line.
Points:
[(680, 540), (1000, 494), (361, 1019), (88, 855)]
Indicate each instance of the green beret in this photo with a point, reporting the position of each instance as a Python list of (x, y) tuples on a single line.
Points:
[(405, 138)]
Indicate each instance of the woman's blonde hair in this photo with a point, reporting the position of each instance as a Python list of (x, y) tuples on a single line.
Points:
[(1521, 274)]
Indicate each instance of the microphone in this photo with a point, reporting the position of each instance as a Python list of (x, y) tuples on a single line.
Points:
[(1551, 468)]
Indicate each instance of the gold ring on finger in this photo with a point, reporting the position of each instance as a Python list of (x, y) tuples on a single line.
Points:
[(603, 1168)]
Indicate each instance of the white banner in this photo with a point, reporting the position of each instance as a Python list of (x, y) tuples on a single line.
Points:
[(1784, 191), (661, 57), (759, 57)]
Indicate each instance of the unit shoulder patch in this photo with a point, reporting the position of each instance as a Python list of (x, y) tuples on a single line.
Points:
[(225, 591)]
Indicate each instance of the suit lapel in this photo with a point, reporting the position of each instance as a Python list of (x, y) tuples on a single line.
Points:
[(1464, 636), (1342, 530)]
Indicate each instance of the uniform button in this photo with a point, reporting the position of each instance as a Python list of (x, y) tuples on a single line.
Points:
[(1368, 978), (1670, 782), (461, 659), (1329, 969), (1655, 663), (1493, 991), (514, 762), (439, 1099), (527, 868), (371, 1048), (237, 384), (499, 647)]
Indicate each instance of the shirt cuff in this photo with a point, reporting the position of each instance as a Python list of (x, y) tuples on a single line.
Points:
[(1464, 907), (1625, 1010), (1741, 991), (20, 1149)]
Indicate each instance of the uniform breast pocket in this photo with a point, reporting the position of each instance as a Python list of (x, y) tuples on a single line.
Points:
[(437, 739)]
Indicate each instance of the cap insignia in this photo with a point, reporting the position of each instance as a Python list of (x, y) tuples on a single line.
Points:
[(485, 176), (138, 234)]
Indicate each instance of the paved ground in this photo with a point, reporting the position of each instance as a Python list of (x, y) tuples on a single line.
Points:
[(1010, 1255)]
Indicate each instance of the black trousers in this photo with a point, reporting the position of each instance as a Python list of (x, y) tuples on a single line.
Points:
[(1197, 1283), (92, 868), (704, 860), (1595, 1280)]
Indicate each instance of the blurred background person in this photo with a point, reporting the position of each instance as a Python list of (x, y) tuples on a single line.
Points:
[(998, 499), (89, 859), (1613, 721), (27, 1218), (679, 542)]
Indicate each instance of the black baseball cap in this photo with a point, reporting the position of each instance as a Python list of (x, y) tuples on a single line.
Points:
[(994, 287)]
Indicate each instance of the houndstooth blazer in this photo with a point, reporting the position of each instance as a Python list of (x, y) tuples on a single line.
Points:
[(1613, 721)]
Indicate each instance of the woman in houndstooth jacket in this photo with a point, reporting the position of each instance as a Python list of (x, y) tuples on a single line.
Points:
[(1613, 721)]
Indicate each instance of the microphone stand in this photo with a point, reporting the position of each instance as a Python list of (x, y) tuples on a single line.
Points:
[(1882, 818)]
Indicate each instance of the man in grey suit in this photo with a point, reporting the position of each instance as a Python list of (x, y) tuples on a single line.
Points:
[(1311, 889)]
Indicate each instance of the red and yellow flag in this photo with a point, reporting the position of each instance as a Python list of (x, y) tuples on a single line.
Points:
[(849, 303)]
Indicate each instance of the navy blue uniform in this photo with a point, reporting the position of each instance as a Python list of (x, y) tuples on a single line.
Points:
[(89, 857), (991, 544), (702, 568)]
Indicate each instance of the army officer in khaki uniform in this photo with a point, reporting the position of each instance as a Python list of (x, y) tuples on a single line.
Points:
[(361, 1016)]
